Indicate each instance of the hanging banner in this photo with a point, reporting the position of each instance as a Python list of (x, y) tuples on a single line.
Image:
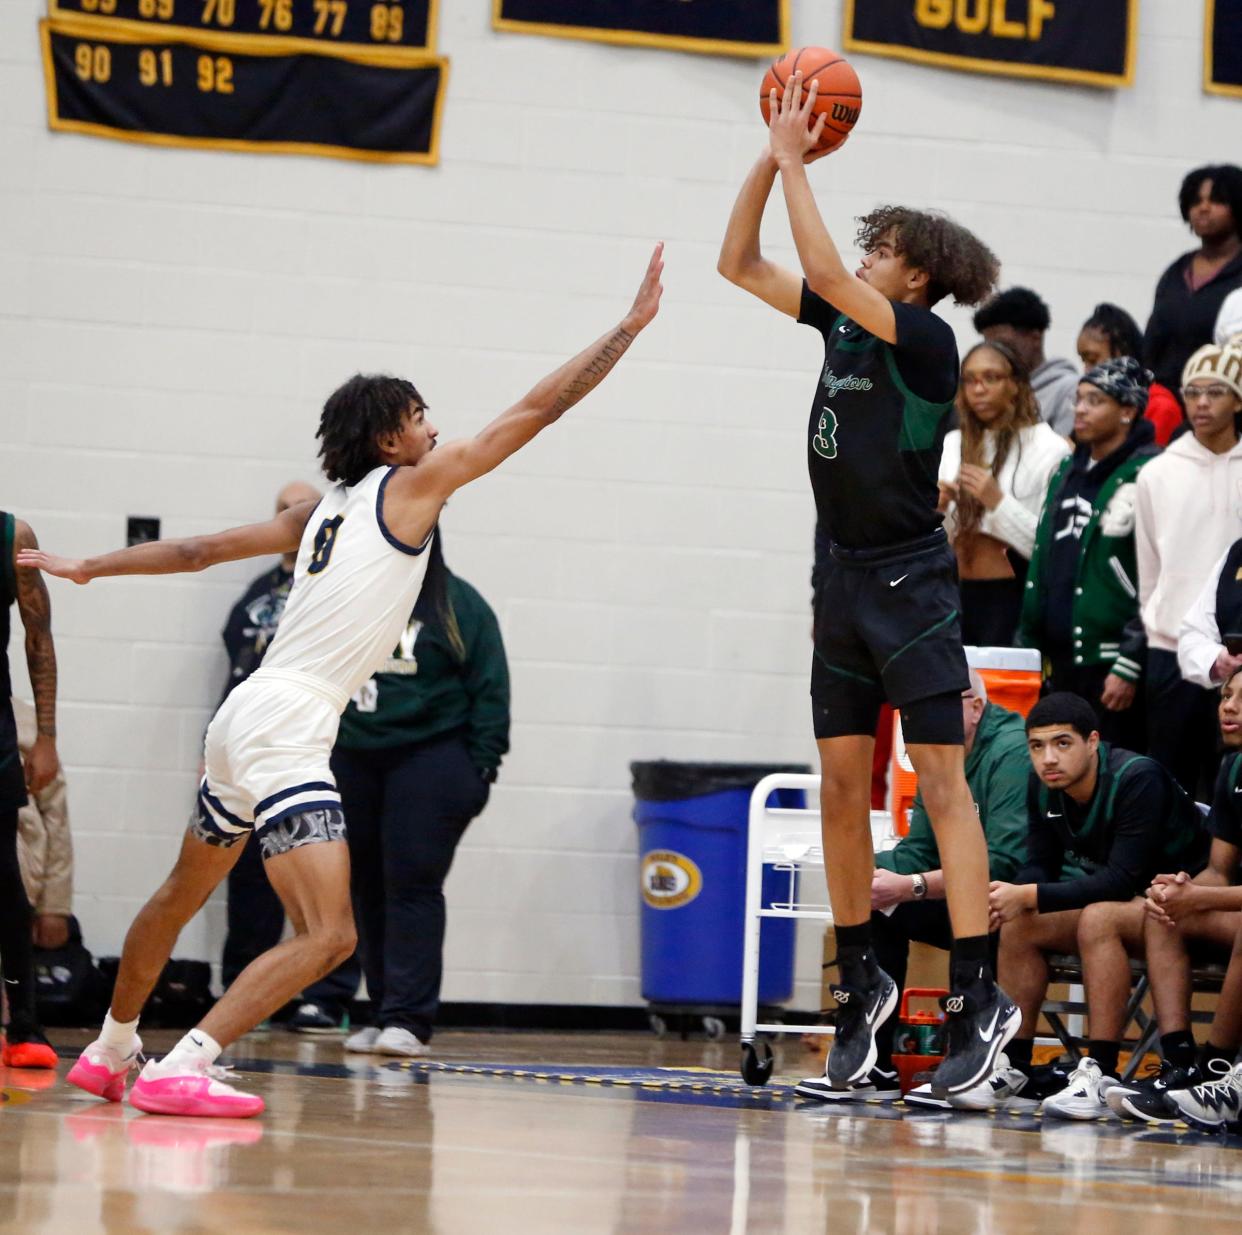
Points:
[(729, 27), (1222, 52), (1055, 40)]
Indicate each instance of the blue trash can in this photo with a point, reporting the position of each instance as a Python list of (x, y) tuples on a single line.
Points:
[(692, 824)]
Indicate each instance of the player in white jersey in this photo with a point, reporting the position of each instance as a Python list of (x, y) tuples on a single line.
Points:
[(363, 554)]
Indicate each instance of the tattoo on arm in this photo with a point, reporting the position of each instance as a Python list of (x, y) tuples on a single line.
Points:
[(584, 379), (35, 606)]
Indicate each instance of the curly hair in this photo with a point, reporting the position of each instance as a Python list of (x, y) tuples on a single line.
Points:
[(1226, 181), (1005, 429), (354, 417), (1118, 327), (957, 263)]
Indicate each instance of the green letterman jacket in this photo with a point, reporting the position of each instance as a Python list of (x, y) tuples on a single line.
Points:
[(1105, 604)]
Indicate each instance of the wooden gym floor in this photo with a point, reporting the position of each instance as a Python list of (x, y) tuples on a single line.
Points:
[(617, 1145)]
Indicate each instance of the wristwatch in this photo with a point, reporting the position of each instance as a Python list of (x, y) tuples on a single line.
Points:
[(919, 887)]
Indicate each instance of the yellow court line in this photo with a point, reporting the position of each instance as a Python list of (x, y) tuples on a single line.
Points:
[(1001, 68), (641, 38)]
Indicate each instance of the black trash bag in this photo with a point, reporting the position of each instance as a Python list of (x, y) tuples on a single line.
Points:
[(181, 998), (69, 990), (665, 780)]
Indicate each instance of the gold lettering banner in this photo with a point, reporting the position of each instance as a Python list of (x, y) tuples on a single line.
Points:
[(1222, 61), (731, 27), (1086, 41)]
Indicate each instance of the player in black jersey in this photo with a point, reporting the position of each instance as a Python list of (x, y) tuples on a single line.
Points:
[(887, 608)]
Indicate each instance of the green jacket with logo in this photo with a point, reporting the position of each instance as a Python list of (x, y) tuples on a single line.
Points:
[(996, 771), (425, 692), (1105, 601)]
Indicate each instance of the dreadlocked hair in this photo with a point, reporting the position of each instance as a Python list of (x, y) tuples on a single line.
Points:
[(957, 263), (1005, 430), (1118, 327), (434, 606), (355, 416)]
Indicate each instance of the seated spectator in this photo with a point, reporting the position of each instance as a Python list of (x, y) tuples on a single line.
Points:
[(1188, 513), (45, 846), (907, 891), (1229, 321), (1191, 292), (1109, 333), (1020, 319), (418, 749), (256, 918), (1125, 819), (1081, 604), (1196, 916), (994, 473)]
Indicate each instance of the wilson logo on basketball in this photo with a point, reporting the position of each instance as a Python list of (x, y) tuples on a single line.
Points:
[(845, 114), (669, 880)]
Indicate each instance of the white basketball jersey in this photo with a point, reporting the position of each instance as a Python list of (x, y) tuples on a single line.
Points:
[(354, 586)]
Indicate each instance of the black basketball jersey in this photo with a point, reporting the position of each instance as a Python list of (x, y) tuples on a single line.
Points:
[(878, 423), (1229, 593)]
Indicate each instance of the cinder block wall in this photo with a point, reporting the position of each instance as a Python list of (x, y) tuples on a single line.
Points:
[(170, 322)]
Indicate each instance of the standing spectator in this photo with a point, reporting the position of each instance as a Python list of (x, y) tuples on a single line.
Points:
[(45, 846), (256, 918), (1020, 319), (994, 473), (1111, 332), (1189, 511), (24, 1045), (1192, 290), (1229, 320), (1081, 607), (418, 749)]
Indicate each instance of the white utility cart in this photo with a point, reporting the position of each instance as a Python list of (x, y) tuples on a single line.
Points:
[(787, 838)]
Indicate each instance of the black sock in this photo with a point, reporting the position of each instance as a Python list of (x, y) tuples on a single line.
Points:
[(1216, 1054), (971, 970), (1019, 1051), (855, 957), (1105, 1054), (1178, 1049)]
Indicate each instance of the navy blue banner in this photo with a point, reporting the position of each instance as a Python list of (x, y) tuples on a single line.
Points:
[(1055, 40), (731, 27), (1223, 47)]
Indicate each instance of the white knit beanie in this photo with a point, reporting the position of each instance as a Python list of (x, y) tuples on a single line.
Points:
[(1221, 364)]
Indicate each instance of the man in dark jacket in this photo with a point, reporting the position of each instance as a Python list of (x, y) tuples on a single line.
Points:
[(1081, 605), (1126, 819), (907, 892)]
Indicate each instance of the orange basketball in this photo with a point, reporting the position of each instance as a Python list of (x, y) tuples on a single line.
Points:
[(840, 92)]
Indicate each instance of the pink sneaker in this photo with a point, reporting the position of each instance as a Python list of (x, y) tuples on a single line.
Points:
[(102, 1070), (193, 1088)]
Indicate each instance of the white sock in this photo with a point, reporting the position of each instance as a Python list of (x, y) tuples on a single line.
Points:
[(118, 1035), (195, 1046)]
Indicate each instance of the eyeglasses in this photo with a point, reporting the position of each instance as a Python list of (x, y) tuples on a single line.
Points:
[(1215, 393)]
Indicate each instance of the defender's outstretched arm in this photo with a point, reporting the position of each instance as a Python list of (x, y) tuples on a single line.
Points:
[(449, 467), (166, 557)]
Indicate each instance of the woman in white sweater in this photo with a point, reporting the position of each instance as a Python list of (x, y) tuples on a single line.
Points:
[(994, 473), (1188, 512)]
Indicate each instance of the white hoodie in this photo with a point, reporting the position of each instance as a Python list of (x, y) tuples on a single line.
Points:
[(1189, 511)]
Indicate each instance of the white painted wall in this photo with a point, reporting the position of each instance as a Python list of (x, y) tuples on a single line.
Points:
[(171, 321)]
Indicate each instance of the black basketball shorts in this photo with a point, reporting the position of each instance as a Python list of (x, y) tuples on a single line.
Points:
[(887, 628)]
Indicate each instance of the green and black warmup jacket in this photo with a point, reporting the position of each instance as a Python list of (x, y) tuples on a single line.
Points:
[(426, 692), (1138, 824)]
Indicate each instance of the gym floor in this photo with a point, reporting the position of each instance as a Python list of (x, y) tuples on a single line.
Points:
[(577, 1134)]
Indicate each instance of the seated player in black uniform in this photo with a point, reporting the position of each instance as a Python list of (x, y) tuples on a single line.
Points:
[(887, 623)]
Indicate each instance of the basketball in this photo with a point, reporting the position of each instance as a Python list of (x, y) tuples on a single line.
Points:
[(840, 92)]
